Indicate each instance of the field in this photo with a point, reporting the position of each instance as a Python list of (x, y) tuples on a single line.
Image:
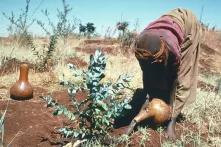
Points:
[(84, 81), (31, 123)]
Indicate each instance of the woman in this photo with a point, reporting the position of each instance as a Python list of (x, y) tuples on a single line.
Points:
[(168, 54)]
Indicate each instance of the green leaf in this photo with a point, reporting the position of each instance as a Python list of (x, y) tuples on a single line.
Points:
[(55, 112), (97, 110), (75, 134), (127, 106), (103, 105), (59, 112)]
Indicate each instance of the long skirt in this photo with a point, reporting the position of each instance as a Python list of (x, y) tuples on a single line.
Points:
[(184, 92)]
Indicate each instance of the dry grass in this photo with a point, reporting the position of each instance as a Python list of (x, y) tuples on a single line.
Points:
[(211, 79), (211, 50), (205, 112), (13, 51), (212, 39), (117, 65), (61, 52)]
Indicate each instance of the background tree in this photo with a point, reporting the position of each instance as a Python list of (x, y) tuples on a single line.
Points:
[(87, 30), (90, 29), (122, 26), (82, 29)]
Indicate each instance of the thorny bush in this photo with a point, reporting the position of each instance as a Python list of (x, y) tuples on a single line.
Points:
[(64, 27), (20, 24), (45, 59), (96, 113)]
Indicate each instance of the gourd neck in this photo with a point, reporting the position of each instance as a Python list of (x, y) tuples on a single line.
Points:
[(143, 114), (24, 73)]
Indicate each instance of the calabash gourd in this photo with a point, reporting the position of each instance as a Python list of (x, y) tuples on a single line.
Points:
[(22, 89), (157, 109)]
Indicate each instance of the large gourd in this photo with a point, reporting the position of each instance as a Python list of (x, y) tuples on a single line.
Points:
[(157, 109), (22, 89)]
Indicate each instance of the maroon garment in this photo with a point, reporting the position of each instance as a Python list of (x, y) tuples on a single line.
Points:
[(170, 31)]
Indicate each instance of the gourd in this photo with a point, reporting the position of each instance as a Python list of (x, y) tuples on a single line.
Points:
[(22, 89), (157, 109)]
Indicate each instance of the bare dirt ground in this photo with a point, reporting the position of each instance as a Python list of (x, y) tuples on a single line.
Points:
[(30, 123)]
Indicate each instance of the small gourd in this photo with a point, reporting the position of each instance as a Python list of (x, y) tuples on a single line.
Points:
[(22, 89), (157, 109)]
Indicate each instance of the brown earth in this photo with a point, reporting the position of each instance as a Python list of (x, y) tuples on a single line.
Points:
[(110, 46), (76, 61), (11, 65), (209, 60), (92, 49), (211, 52), (30, 123), (99, 41)]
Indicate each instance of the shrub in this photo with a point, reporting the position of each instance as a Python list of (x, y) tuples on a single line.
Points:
[(126, 37), (45, 58), (64, 27), (104, 102), (19, 25)]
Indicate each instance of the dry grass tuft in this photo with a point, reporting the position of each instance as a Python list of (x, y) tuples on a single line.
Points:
[(117, 65)]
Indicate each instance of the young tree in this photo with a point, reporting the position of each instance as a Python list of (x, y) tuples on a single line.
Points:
[(104, 101)]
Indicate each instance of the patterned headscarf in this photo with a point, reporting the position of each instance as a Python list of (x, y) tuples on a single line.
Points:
[(145, 54)]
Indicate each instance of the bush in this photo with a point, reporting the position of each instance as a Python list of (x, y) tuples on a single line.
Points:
[(19, 25), (96, 113), (64, 28), (126, 37), (45, 58)]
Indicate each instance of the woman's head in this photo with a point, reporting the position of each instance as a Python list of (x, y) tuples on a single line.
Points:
[(149, 46)]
